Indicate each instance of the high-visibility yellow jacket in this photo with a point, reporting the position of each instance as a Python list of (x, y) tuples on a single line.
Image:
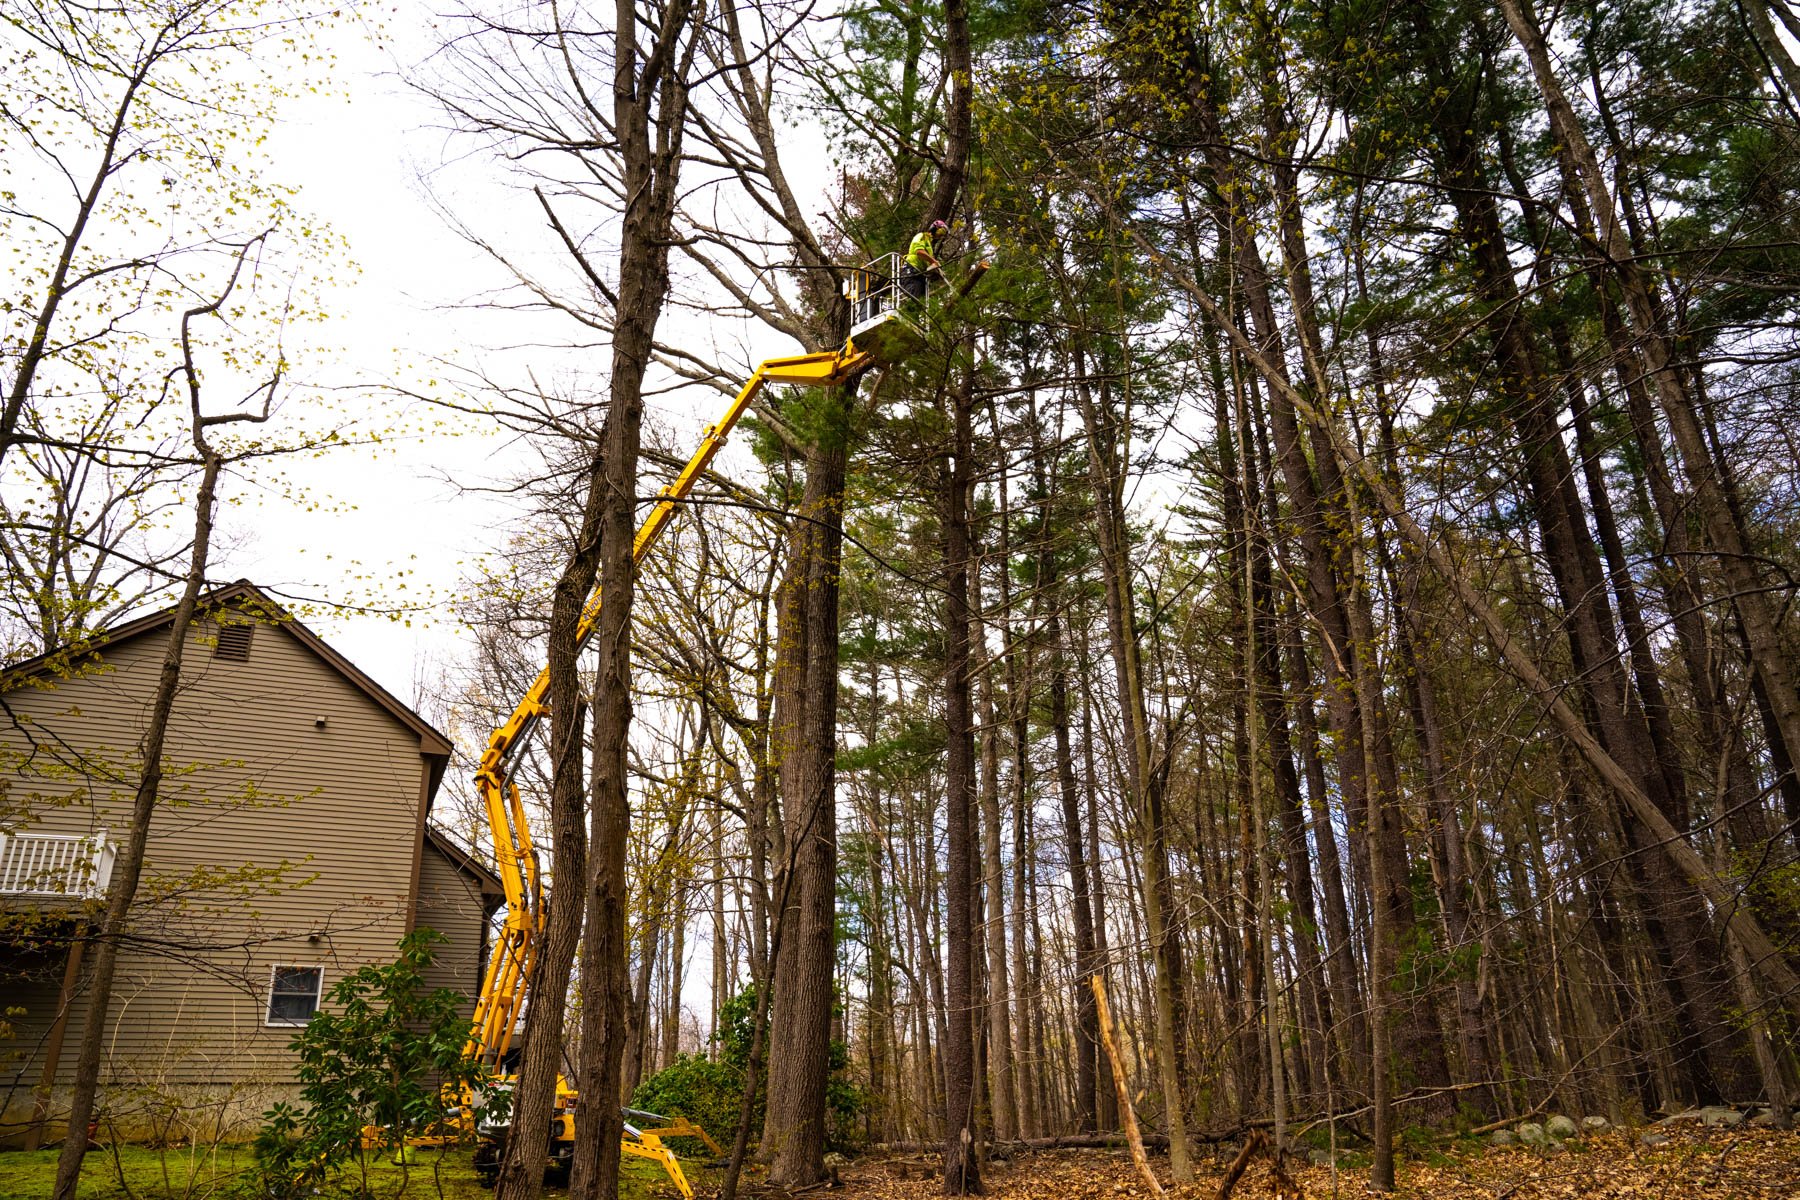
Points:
[(920, 254)]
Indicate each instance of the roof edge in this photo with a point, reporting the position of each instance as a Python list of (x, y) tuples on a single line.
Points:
[(463, 860), (432, 742)]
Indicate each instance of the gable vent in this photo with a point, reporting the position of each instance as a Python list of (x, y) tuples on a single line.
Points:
[(234, 642)]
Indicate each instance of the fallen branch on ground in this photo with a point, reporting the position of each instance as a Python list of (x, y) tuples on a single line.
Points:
[(1126, 1115)]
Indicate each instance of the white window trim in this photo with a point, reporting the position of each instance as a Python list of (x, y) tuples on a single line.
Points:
[(269, 994)]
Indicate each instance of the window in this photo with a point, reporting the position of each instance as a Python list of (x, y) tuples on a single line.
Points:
[(294, 994), (234, 642)]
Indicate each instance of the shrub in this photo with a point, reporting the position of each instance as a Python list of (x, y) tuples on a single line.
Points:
[(389, 1060), (710, 1093), (705, 1092)]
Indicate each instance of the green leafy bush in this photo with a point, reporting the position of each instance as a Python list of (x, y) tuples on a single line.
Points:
[(705, 1092), (845, 1102), (389, 1059), (710, 1093)]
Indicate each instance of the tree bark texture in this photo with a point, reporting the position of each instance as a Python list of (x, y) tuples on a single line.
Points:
[(804, 744), (962, 1164)]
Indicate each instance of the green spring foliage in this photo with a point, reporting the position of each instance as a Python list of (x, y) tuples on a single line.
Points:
[(709, 1092), (384, 1054)]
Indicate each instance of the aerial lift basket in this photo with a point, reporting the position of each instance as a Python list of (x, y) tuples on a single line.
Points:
[(884, 319)]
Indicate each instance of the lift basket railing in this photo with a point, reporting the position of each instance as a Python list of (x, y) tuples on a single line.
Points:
[(876, 289)]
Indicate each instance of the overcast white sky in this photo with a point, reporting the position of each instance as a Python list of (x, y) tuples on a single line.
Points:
[(360, 163)]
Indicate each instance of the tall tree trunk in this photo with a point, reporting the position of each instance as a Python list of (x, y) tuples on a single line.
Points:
[(999, 1005), (1250, 1041), (1451, 874), (128, 866), (1341, 974), (1087, 957), (962, 1164), (636, 1018), (677, 951), (1106, 1109), (804, 744), (1243, 506), (721, 947), (1008, 1100), (881, 1008), (1027, 1064), (649, 95)]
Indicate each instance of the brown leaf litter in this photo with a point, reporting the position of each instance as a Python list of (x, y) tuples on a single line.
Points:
[(1702, 1164)]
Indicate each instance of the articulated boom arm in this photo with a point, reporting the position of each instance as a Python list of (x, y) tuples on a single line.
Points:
[(508, 982)]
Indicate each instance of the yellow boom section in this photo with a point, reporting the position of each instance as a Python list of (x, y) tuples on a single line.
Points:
[(508, 981)]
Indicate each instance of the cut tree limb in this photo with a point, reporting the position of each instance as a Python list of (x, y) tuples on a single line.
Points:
[(1127, 1116), (1257, 1140)]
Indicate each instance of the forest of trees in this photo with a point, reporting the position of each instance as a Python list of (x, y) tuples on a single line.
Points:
[(1333, 579)]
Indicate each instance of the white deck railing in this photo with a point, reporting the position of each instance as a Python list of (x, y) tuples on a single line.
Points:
[(55, 864)]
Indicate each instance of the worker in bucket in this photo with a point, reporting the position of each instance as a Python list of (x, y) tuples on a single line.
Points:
[(921, 260)]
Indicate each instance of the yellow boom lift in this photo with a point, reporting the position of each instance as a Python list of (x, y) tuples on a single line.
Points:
[(880, 334)]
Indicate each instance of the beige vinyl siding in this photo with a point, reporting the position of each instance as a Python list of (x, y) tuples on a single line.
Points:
[(450, 902), (276, 842)]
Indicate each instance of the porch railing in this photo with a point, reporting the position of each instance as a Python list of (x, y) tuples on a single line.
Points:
[(56, 864)]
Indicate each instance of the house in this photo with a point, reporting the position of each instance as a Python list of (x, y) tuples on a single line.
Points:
[(292, 845)]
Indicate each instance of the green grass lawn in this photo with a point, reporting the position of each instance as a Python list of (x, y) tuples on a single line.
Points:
[(137, 1173)]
